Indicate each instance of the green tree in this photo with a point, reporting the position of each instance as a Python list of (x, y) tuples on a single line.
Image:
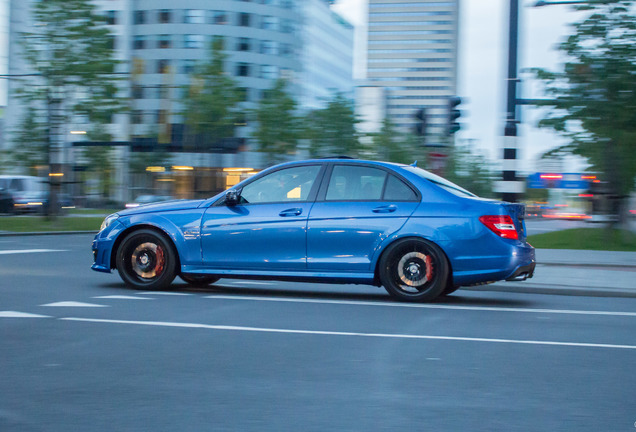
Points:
[(32, 140), (211, 106), (278, 129), (332, 130), (593, 99), (391, 145), (70, 52), (470, 170)]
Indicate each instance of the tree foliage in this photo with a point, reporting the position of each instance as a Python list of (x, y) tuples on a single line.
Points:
[(211, 105), (391, 145), (70, 52), (593, 99), (470, 170), (279, 128), (332, 130)]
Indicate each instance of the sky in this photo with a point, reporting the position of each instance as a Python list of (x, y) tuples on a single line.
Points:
[(483, 49)]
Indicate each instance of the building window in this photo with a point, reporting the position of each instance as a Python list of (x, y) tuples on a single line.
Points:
[(139, 42), (111, 17), (194, 16), (187, 66), (269, 47), (269, 72), (244, 19), (287, 26), (137, 92), (165, 16), (243, 69), (193, 41), (137, 117), (163, 66), (269, 23), (244, 44), (286, 49), (219, 18), (139, 17), (165, 41)]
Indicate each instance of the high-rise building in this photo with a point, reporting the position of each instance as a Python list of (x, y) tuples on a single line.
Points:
[(412, 53)]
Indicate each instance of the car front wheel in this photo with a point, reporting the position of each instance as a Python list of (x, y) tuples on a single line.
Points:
[(146, 260), (413, 270)]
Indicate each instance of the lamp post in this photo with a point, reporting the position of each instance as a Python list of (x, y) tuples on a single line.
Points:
[(510, 185)]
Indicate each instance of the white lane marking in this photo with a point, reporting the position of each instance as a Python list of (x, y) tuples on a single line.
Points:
[(337, 333), (12, 314), (73, 304), (164, 293), (424, 306), (24, 251), (122, 297)]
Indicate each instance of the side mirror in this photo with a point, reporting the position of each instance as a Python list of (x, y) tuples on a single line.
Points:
[(232, 197)]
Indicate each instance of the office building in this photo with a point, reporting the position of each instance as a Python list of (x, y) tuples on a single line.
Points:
[(412, 53)]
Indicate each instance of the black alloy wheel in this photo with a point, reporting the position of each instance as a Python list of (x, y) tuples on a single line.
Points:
[(146, 260), (414, 270)]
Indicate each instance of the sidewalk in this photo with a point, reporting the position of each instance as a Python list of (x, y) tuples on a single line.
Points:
[(577, 272)]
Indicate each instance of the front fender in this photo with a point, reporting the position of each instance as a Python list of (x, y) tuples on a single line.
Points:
[(183, 228)]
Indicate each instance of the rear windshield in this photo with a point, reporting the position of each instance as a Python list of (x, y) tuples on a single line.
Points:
[(440, 181)]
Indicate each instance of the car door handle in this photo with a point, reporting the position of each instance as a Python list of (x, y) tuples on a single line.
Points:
[(385, 209), (291, 212)]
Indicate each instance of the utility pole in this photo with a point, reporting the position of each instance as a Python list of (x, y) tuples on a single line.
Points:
[(510, 186)]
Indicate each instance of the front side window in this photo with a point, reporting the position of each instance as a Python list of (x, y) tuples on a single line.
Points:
[(356, 183), (286, 185)]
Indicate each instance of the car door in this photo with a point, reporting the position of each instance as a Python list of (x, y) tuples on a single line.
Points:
[(267, 229), (358, 207)]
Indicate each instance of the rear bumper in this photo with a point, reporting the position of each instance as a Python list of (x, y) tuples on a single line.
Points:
[(522, 272)]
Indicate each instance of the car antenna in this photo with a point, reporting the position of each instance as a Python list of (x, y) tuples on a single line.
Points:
[(414, 164)]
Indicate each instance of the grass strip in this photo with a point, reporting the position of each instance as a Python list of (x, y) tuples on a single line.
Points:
[(587, 239), (43, 224)]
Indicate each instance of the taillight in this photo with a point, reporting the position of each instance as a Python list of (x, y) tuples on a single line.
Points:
[(503, 226)]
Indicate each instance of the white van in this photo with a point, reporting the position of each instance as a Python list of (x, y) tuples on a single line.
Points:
[(19, 185)]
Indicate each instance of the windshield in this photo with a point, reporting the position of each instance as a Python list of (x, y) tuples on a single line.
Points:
[(440, 181)]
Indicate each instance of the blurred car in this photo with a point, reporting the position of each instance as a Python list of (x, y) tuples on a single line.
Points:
[(38, 202), (148, 199), (6, 201), (331, 220)]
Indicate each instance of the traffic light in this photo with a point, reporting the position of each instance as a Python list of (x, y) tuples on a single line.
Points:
[(420, 125), (453, 114)]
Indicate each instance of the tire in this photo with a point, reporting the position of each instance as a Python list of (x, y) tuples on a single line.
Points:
[(450, 288), (146, 259), (413, 270), (199, 280)]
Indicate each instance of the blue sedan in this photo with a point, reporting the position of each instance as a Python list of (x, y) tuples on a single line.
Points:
[(333, 220)]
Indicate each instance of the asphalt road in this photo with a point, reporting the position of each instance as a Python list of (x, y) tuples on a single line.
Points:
[(80, 352)]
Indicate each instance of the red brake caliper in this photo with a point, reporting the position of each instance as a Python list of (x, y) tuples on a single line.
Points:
[(429, 267), (160, 261)]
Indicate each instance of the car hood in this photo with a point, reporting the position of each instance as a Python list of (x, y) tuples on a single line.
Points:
[(162, 207)]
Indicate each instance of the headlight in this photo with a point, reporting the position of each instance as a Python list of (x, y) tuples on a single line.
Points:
[(109, 220)]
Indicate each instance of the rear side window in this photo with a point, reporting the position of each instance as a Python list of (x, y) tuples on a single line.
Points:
[(356, 183), (397, 190)]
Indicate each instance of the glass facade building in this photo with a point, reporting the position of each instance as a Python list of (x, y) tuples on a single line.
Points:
[(412, 53)]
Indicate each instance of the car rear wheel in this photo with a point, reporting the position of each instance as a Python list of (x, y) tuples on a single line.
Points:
[(413, 270), (146, 260), (199, 280)]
